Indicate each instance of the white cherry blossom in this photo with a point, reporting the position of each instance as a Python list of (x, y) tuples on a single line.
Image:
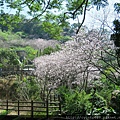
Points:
[(76, 63)]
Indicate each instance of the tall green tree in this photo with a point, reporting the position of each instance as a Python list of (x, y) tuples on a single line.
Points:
[(9, 21), (116, 33)]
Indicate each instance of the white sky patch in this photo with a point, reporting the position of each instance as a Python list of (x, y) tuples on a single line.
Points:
[(94, 18)]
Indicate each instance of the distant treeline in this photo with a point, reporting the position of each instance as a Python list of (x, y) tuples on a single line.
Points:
[(28, 28)]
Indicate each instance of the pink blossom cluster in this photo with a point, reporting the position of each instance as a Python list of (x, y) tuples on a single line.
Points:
[(41, 43), (75, 63)]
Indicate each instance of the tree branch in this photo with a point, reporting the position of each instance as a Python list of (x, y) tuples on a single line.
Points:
[(83, 17), (78, 8), (42, 11), (108, 77)]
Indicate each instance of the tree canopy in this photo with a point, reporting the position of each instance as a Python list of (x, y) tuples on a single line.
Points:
[(54, 15), (46, 10)]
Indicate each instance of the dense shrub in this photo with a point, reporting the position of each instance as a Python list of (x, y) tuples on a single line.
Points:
[(75, 102), (49, 50), (8, 57), (7, 36)]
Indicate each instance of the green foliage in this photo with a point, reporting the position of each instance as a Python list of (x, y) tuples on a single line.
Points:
[(31, 29), (8, 57), (75, 102), (36, 28), (49, 50), (46, 11), (98, 101), (41, 114), (9, 21), (103, 111), (100, 105), (108, 82), (39, 29), (31, 52), (108, 85), (65, 39), (7, 36), (4, 112), (109, 71), (105, 92), (72, 5), (62, 91), (53, 30), (57, 48), (33, 88), (21, 34), (28, 89)]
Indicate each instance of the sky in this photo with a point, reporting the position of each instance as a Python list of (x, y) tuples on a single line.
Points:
[(94, 19)]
